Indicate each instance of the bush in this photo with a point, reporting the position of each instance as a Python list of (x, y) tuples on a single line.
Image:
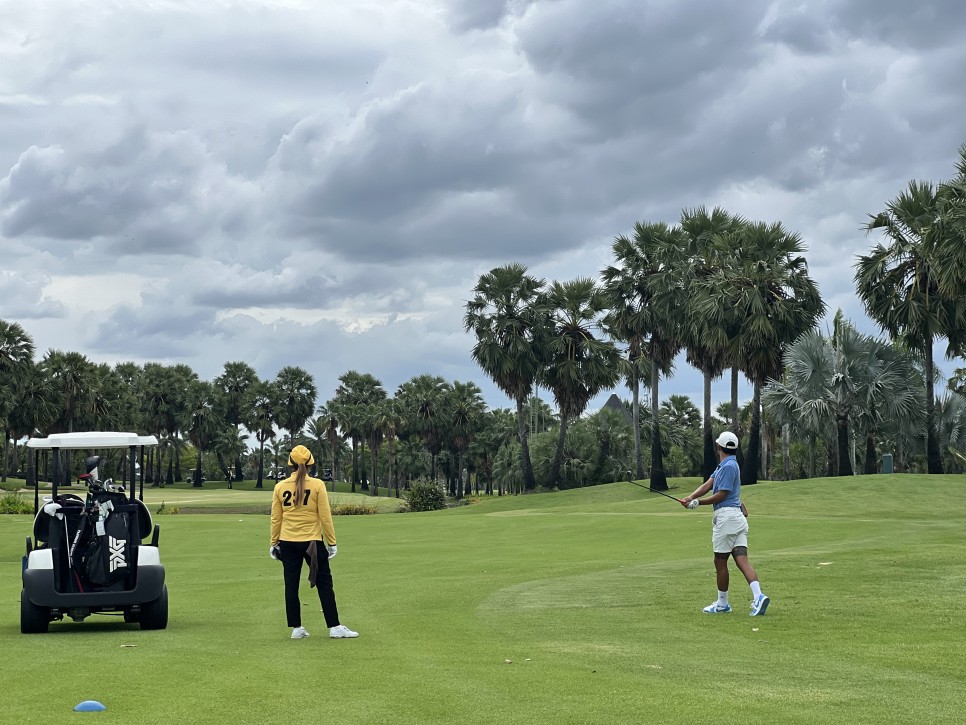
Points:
[(425, 496), (353, 509), (163, 510), (14, 503)]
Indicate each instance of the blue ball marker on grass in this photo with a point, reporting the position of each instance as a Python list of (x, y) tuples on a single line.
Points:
[(89, 706)]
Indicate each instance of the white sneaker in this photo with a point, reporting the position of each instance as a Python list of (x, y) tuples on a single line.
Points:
[(759, 606), (342, 632), (299, 633), (715, 608)]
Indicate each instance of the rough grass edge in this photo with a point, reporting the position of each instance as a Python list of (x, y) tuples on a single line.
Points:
[(14, 503)]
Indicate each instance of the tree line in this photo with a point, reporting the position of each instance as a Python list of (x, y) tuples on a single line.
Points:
[(734, 295)]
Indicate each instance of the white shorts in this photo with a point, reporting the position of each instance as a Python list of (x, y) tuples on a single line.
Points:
[(729, 528)]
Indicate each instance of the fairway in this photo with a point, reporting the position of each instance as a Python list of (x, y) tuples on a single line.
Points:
[(573, 607)]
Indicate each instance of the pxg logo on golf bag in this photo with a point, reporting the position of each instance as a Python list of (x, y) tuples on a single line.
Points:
[(116, 548)]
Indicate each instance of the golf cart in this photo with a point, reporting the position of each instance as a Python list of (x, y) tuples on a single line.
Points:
[(87, 555)]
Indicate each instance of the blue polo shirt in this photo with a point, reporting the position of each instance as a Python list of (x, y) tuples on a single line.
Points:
[(727, 477)]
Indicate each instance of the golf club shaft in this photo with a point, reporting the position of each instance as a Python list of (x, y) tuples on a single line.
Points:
[(652, 490)]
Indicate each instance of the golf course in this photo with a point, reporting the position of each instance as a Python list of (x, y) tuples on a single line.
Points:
[(579, 606)]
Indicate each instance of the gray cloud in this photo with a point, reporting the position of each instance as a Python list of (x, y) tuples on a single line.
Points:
[(23, 298), (293, 182)]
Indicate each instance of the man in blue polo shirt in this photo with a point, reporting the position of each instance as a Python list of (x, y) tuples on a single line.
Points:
[(729, 535)]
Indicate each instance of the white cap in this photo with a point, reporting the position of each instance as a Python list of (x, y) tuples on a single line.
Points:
[(728, 441)]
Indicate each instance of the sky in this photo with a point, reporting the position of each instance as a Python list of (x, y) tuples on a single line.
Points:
[(321, 184)]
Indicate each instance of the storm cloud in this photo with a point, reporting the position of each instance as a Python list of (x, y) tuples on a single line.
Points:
[(321, 184)]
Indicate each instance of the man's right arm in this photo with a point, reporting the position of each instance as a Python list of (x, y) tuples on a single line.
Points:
[(699, 491)]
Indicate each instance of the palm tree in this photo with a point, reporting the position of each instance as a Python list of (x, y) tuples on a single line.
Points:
[(465, 408), (228, 444), (951, 426), (508, 321), (295, 395), (579, 365), (390, 422), (259, 417), (945, 240), (232, 385), (16, 358), (158, 405), (33, 410), (412, 459), (375, 414), (645, 314), (203, 425), (315, 432), (70, 376), (769, 289), (421, 402), (496, 429), (356, 391), (706, 345), (899, 285), (329, 414), (844, 381)]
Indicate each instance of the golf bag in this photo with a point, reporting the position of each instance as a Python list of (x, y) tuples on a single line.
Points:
[(113, 524)]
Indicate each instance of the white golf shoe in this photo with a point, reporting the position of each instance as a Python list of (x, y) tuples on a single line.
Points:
[(300, 633), (342, 632)]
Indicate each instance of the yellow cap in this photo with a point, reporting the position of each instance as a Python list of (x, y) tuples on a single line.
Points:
[(300, 454)]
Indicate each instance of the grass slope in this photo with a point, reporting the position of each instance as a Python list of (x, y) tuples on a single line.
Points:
[(593, 596)]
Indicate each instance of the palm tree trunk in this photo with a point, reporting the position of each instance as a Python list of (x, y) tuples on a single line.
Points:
[(374, 486), (934, 459), (261, 463), (786, 451), (710, 459), (765, 444), (335, 464), (870, 457), (658, 476), (177, 458), (749, 471), (355, 463), (529, 482), (842, 431), (558, 456), (734, 415), (238, 464), (636, 415), (812, 455), (6, 442), (459, 476)]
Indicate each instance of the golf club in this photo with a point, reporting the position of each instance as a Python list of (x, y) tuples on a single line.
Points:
[(648, 488)]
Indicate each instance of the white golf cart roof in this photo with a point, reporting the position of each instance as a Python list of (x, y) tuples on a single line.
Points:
[(91, 439)]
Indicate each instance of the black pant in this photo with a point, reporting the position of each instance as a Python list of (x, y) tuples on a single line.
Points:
[(293, 554)]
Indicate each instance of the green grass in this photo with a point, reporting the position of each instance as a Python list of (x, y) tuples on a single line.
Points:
[(243, 497), (593, 596)]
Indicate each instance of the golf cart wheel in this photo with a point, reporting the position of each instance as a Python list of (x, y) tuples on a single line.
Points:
[(33, 619), (131, 617), (154, 615)]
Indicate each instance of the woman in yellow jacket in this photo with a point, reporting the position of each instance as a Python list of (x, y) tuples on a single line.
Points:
[(301, 517)]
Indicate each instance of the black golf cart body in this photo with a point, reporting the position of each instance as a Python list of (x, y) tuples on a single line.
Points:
[(93, 559)]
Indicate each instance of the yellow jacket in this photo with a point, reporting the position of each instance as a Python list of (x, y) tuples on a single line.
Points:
[(311, 520)]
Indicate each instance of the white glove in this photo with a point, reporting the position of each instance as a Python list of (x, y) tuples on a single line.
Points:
[(273, 551), (53, 509), (333, 550), (693, 503)]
